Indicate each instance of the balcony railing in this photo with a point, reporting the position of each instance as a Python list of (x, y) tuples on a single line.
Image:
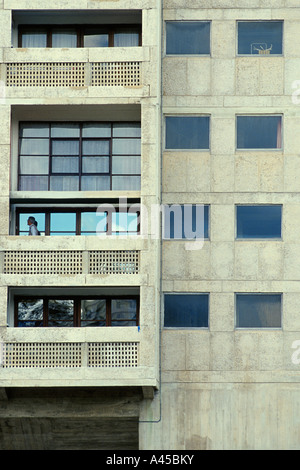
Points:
[(34, 355), (73, 74), (62, 262)]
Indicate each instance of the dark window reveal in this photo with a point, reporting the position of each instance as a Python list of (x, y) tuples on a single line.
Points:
[(262, 221), (187, 37), (187, 132), (259, 132), (186, 310)]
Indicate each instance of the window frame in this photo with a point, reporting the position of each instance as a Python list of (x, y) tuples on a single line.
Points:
[(77, 308), (80, 174), (183, 149), (109, 29), (204, 294), (259, 149), (267, 328), (208, 54), (253, 239), (259, 21), (77, 211)]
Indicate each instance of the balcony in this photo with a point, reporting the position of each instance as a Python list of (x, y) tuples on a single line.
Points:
[(97, 356), (84, 72)]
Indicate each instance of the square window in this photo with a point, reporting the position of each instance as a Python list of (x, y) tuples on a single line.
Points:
[(260, 37), (259, 132), (186, 222), (259, 221), (187, 37), (187, 132), (186, 310), (258, 310)]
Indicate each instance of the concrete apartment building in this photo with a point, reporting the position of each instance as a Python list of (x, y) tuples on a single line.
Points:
[(115, 335)]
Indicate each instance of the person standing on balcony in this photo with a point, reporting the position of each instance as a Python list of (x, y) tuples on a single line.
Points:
[(32, 226)]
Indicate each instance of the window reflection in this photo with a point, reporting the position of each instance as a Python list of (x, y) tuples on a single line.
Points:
[(260, 37), (187, 132), (258, 310), (63, 223), (60, 313), (93, 312), (30, 312)]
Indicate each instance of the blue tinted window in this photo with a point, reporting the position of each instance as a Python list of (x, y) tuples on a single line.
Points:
[(187, 132), (258, 310), (186, 310), (188, 37), (259, 132), (187, 221), (260, 37), (259, 221), (40, 222)]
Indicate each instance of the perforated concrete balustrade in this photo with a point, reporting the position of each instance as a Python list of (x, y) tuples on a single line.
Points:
[(70, 355), (73, 74), (70, 262)]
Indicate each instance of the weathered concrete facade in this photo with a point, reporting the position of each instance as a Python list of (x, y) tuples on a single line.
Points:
[(219, 387), (227, 388)]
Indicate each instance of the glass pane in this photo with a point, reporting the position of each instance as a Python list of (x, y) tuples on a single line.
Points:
[(93, 222), (260, 37), (186, 221), (65, 130), (65, 147), (127, 129), (188, 37), (187, 132), (91, 39), (63, 222), (126, 147), (64, 183), (60, 312), (34, 39), (96, 130), (93, 312), (124, 222), (34, 130), (65, 165), (95, 147), (259, 221), (123, 312), (123, 183), (258, 310), (130, 165), (34, 147), (33, 183), (95, 164), (95, 183), (186, 310), (126, 39), (30, 312), (39, 217), (258, 132), (64, 39), (34, 165)]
